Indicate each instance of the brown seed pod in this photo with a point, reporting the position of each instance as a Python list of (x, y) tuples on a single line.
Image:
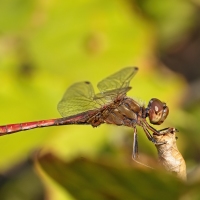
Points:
[(169, 155)]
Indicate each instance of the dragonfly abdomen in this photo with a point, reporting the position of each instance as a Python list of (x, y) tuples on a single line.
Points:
[(12, 128)]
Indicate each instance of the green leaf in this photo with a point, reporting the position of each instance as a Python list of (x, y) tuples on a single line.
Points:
[(104, 180)]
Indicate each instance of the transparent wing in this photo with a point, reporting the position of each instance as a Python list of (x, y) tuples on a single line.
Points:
[(118, 82), (77, 99), (80, 96)]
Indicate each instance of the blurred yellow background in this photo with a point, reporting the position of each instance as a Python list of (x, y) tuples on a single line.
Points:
[(45, 46)]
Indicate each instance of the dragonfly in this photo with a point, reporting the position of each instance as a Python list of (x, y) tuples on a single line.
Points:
[(80, 105)]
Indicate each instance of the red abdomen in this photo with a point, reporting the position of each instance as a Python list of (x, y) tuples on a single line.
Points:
[(12, 128)]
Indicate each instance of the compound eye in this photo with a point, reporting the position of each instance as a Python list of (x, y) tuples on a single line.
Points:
[(158, 111)]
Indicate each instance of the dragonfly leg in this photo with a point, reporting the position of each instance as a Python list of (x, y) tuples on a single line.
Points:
[(167, 130), (160, 132), (148, 134), (135, 144), (150, 127), (150, 137)]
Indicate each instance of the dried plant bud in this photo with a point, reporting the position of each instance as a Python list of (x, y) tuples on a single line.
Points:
[(169, 155)]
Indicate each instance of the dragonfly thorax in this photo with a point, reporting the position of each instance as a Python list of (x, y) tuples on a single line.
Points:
[(125, 112)]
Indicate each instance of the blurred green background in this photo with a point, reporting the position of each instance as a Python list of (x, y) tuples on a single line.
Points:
[(45, 46)]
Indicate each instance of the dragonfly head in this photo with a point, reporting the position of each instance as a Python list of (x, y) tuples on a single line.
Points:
[(157, 111)]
